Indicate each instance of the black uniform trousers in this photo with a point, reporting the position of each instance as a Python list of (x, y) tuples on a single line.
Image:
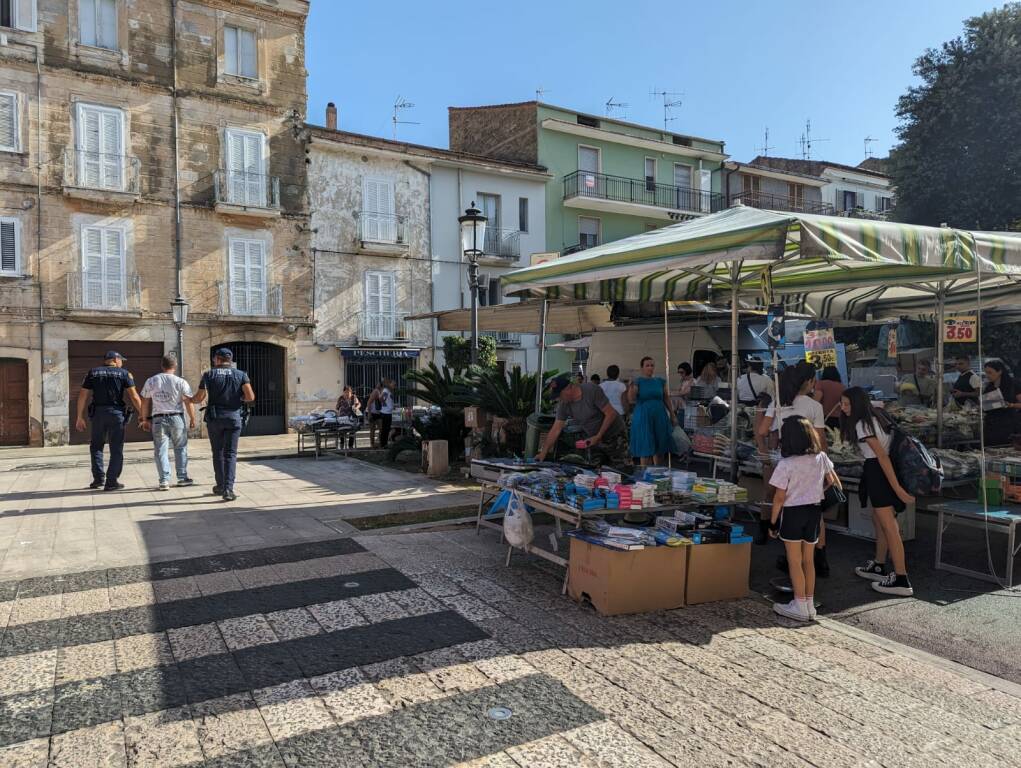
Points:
[(107, 429), (224, 434)]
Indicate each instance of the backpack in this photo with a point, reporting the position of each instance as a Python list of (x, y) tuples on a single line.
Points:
[(919, 472)]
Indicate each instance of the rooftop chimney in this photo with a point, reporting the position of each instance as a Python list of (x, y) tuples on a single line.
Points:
[(331, 116)]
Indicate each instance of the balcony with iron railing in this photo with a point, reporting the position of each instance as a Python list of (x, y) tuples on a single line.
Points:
[(383, 328), (583, 186), (104, 293), (382, 232), (502, 244), (100, 176), (242, 193), (504, 338), (249, 301), (772, 202)]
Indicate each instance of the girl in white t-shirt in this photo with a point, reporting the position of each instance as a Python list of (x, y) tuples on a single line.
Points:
[(879, 488), (800, 479)]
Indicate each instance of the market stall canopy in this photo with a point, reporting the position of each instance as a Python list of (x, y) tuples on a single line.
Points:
[(813, 259), (525, 317)]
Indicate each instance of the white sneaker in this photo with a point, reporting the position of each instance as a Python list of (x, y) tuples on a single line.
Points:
[(810, 605), (164, 485), (795, 609)]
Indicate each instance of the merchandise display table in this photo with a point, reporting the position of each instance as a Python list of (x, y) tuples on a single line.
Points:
[(1004, 517)]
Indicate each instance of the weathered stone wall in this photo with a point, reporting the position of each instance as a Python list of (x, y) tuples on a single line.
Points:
[(505, 132)]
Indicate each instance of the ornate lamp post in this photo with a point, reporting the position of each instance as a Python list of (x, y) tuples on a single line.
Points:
[(179, 308), (473, 237)]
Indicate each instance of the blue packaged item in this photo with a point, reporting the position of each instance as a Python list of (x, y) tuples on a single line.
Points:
[(499, 503), (741, 539)]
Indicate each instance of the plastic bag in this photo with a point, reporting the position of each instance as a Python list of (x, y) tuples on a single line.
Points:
[(681, 441), (517, 523)]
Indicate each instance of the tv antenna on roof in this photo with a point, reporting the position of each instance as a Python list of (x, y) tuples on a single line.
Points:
[(868, 149), (806, 141), (612, 105), (540, 92), (401, 104), (669, 103), (764, 149)]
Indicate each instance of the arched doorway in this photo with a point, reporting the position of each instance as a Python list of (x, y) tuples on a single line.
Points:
[(265, 365), (13, 401)]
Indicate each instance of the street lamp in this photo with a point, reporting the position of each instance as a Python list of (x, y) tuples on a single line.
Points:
[(179, 309), (473, 236)]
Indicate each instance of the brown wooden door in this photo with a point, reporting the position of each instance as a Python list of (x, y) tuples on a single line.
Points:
[(13, 402), (143, 360)]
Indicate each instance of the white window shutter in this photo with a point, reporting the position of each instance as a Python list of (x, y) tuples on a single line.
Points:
[(113, 267), (107, 27), (371, 220), (387, 291), (92, 267), (248, 59), (112, 137), (230, 50), (859, 199), (87, 22), (9, 246), (238, 254), (235, 167), (24, 15), (9, 121), (257, 278), (255, 180)]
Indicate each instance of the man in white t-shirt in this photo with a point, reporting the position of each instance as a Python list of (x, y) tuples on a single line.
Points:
[(753, 383), (166, 399), (614, 389)]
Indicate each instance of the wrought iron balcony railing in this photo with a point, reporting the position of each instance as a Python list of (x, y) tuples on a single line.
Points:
[(502, 243), (246, 190), (101, 172), (504, 338), (641, 191), (384, 228), (92, 290), (782, 203), (384, 326), (250, 300)]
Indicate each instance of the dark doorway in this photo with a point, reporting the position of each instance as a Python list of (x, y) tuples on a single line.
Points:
[(364, 369), (143, 360), (265, 365), (13, 402)]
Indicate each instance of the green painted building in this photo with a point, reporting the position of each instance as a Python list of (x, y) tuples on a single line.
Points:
[(610, 178)]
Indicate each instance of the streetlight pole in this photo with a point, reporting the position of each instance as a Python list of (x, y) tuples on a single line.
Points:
[(473, 238), (179, 309)]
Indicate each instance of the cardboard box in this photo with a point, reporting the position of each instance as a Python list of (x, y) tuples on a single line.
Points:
[(717, 572), (636, 581)]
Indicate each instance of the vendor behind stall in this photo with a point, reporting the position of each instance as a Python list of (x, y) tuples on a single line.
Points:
[(1000, 402), (968, 385), (589, 409), (918, 388)]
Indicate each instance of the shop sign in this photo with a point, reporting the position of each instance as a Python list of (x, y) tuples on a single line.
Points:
[(379, 354), (960, 328), (820, 345)]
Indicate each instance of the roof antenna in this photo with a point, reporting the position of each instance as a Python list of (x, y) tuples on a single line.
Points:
[(669, 104), (764, 149), (540, 92), (400, 104), (612, 105), (868, 149), (806, 141)]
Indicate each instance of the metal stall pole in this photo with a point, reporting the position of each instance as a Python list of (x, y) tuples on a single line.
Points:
[(940, 318), (666, 359), (532, 435), (734, 317)]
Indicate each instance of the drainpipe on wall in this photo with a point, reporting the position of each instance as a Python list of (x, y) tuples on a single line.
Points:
[(178, 268)]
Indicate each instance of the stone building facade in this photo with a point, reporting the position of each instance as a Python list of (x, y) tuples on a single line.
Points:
[(97, 174)]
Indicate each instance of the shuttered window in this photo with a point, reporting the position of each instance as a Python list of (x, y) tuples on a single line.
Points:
[(97, 22), (246, 170), (380, 305), (100, 148), (239, 52), (9, 124), (247, 276), (10, 246), (103, 268), (379, 222)]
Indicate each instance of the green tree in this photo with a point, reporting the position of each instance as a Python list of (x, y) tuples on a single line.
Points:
[(457, 352), (959, 160)]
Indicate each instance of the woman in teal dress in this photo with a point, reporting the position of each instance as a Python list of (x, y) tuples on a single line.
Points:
[(651, 437)]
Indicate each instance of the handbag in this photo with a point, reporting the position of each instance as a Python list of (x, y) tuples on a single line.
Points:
[(833, 496)]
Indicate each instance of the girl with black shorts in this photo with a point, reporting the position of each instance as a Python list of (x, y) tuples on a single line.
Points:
[(879, 488), (800, 478)]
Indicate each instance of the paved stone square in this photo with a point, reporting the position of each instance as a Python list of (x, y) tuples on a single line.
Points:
[(392, 650)]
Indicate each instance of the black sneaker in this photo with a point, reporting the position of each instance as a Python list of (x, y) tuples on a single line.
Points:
[(97, 484), (186, 481), (822, 565), (872, 571), (217, 490), (895, 585), (229, 496), (113, 486)]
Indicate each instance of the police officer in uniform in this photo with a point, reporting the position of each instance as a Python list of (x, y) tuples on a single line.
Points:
[(227, 389), (108, 383)]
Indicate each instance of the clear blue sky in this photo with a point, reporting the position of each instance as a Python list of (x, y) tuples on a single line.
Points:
[(742, 65)]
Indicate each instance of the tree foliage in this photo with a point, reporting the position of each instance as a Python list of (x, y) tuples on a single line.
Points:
[(959, 160), (510, 395), (457, 352)]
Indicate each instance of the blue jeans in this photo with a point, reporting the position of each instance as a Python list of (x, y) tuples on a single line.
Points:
[(172, 430), (107, 429), (224, 434)]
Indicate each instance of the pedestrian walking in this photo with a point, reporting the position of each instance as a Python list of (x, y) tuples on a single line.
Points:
[(108, 384), (372, 405), (800, 478), (386, 411), (651, 416), (227, 390), (166, 402)]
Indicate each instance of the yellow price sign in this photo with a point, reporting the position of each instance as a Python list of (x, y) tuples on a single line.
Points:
[(821, 358), (960, 329)]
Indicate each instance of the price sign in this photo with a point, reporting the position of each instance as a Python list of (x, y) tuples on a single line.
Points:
[(960, 328)]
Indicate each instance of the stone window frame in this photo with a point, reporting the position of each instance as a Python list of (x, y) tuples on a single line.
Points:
[(265, 236), (94, 55), (78, 101), (19, 258), (230, 19), (20, 116), (126, 225)]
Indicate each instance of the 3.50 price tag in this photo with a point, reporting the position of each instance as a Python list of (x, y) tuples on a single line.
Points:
[(959, 329)]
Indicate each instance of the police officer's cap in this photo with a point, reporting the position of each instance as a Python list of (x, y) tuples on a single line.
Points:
[(224, 354), (111, 355)]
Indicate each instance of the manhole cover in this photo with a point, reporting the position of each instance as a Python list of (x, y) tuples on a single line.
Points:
[(499, 713), (351, 584)]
